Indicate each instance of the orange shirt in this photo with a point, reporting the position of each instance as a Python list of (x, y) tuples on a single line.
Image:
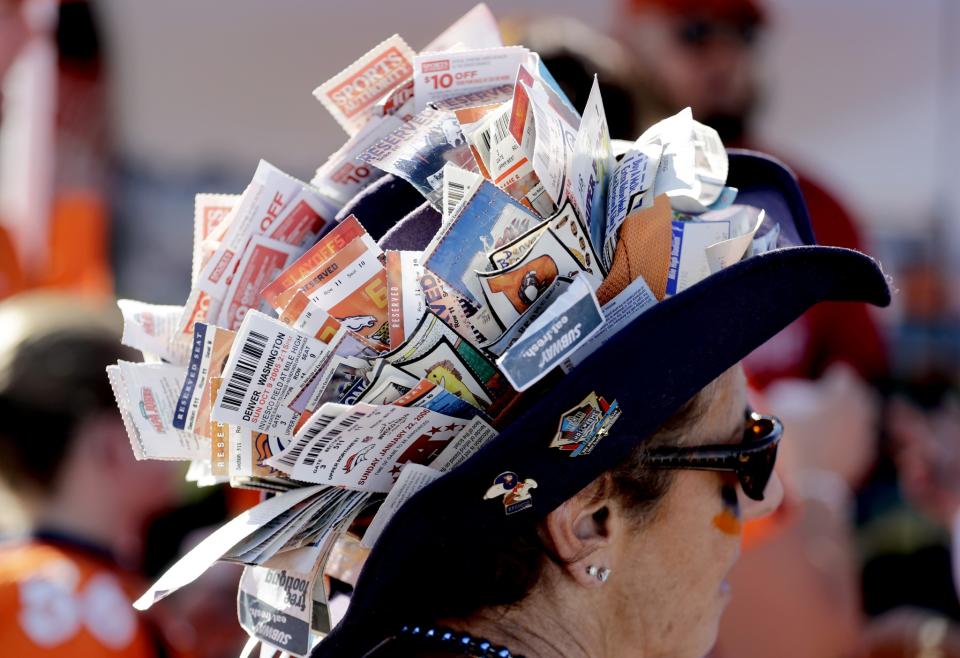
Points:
[(56, 600)]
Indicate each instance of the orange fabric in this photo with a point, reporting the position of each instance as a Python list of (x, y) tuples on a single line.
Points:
[(59, 602), (643, 249), (78, 257)]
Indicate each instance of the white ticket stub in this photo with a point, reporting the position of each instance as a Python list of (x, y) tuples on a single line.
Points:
[(443, 75), (268, 365), (152, 328), (146, 395), (688, 252), (365, 448)]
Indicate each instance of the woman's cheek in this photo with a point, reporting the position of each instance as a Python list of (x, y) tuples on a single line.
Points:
[(728, 520)]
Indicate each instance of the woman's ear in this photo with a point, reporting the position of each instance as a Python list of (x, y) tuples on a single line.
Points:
[(584, 530)]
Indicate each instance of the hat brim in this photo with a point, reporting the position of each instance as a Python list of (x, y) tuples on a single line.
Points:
[(651, 367)]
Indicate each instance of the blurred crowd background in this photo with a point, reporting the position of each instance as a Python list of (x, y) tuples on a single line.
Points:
[(116, 112)]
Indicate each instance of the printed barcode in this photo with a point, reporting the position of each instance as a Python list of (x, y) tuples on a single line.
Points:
[(485, 137), (454, 194), (314, 453), (502, 127), (289, 458), (243, 373)]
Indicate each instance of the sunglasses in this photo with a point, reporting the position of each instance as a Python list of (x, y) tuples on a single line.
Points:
[(697, 33), (752, 459)]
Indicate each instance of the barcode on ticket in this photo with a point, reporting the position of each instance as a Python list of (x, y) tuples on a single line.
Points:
[(501, 127), (324, 440), (316, 425), (242, 376)]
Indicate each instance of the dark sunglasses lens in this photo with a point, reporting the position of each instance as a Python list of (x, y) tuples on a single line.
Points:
[(695, 33), (756, 468)]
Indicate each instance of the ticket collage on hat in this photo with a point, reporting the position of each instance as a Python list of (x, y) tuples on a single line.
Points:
[(436, 324)]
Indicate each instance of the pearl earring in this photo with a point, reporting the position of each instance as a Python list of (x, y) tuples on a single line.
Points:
[(600, 573)]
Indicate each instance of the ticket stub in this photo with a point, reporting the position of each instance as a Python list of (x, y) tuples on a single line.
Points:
[(433, 396), (405, 298), (437, 353), (308, 318), (513, 333), (365, 449), (743, 228), (152, 328), (509, 292), (418, 150), (249, 451), (459, 185), (351, 96), (146, 395), (211, 348), (268, 365), (352, 287), (457, 311), (441, 75), (304, 267), (562, 328), (489, 220), (262, 260), (219, 436)]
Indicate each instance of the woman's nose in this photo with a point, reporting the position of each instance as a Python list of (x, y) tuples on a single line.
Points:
[(772, 497)]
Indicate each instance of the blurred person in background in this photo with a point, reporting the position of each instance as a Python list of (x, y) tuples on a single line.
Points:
[(818, 374), (54, 227), (67, 582)]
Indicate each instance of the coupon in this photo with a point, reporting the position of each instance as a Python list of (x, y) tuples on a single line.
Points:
[(405, 298), (617, 313), (365, 449), (211, 349), (268, 365), (146, 395), (261, 205), (308, 318), (305, 218), (209, 212), (152, 328), (351, 95), (631, 189), (567, 324), (275, 600), (688, 252), (262, 260), (441, 75), (590, 165), (344, 174), (304, 267)]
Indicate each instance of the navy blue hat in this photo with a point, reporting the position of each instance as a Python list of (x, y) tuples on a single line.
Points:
[(651, 368)]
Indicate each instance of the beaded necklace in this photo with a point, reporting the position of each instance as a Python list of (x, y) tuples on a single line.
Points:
[(431, 637)]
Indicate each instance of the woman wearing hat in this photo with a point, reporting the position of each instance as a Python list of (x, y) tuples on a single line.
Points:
[(603, 521)]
